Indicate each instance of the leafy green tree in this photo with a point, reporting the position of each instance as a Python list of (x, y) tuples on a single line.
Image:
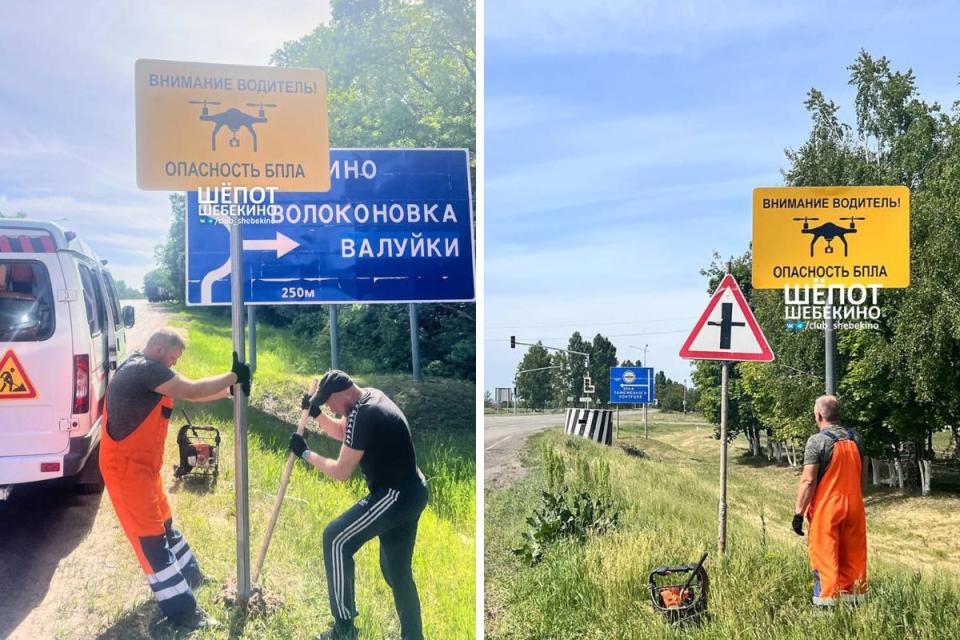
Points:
[(578, 365), (603, 356), (171, 255), (534, 386), (559, 379), (126, 292)]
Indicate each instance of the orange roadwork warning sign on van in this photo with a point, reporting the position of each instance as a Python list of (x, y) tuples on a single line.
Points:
[(14, 383), (202, 125)]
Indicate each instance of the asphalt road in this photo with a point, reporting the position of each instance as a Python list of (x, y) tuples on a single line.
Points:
[(504, 436), (52, 538)]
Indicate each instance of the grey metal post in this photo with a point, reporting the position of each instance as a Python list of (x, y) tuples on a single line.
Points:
[(646, 433), (829, 349), (240, 421), (334, 338), (415, 343), (252, 337), (722, 536)]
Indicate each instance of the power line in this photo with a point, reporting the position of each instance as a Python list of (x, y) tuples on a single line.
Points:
[(618, 335), (589, 324)]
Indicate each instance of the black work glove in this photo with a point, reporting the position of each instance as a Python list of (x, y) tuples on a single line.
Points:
[(242, 371), (306, 404), (297, 444), (798, 523)]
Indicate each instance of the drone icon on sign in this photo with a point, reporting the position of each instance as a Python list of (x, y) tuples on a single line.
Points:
[(233, 119), (829, 232)]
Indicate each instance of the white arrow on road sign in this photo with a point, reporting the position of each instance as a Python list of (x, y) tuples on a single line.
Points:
[(727, 330), (281, 244)]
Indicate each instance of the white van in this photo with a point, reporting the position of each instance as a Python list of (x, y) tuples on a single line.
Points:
[(61, 337)]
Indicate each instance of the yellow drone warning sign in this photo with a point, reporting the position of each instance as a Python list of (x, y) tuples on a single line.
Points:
[(831, 236), (201, 124)]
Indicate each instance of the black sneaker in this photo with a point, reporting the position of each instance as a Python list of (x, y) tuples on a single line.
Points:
[(340, 631), (196, 619)]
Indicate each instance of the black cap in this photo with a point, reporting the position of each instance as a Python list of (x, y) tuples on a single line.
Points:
[(332, 382)]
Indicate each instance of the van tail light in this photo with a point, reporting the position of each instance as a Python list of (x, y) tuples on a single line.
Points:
[(81, 384)]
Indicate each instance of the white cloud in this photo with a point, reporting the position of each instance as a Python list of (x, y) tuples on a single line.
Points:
[(585, 165), (633, 26)]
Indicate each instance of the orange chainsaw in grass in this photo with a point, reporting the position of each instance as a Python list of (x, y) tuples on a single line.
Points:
[(679, 602), (199, 449)]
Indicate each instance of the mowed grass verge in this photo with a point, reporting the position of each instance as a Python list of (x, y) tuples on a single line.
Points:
[(668, 501), (441, 413)]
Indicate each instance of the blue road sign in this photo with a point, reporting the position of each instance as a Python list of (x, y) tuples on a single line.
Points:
[(396, 226), (631, 385)]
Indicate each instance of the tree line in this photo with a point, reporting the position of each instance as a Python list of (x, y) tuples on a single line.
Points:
[(399, 74), (555, 379), (899, 384)]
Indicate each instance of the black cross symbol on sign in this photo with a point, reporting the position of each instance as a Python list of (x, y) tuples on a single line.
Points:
[(726, 324)]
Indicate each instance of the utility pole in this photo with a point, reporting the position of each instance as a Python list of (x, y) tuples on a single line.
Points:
[(829, 349), (646, 431), (415, 343), (334, 337)]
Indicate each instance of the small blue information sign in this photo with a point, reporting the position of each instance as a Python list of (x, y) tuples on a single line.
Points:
[(631, 385)]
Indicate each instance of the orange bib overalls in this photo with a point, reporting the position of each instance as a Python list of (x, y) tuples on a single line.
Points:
[(838, 528), (131, 472)]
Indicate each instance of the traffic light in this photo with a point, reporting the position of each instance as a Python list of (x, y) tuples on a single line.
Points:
[(513, 342)]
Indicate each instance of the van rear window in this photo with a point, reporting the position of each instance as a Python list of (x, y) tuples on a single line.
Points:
[(26, 301)]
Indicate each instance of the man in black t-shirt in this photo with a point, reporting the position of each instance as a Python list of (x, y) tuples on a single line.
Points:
[(375, 436)]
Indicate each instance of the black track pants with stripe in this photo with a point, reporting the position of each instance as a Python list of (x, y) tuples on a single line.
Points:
[(392, 515)]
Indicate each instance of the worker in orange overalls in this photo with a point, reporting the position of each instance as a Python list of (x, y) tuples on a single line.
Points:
[(830, 495), (138, 408)]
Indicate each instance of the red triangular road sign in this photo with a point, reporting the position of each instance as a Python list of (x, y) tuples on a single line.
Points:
[(727, 329), (14, 383)]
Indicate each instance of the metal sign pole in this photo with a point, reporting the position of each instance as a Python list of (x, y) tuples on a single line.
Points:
[(334, 338), (415, 343), (722, 537), (618, 421), (646, 433), (252, 335), (829, 349), (240, 421)]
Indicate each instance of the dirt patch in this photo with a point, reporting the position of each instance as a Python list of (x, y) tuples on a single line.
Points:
[(502, 462), (261, 603)]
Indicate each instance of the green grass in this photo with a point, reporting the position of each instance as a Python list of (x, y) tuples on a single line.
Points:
[(668, 500), (441, 416)]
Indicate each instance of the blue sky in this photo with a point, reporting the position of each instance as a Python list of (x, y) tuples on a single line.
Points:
[(67, 139), (623, 140)]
